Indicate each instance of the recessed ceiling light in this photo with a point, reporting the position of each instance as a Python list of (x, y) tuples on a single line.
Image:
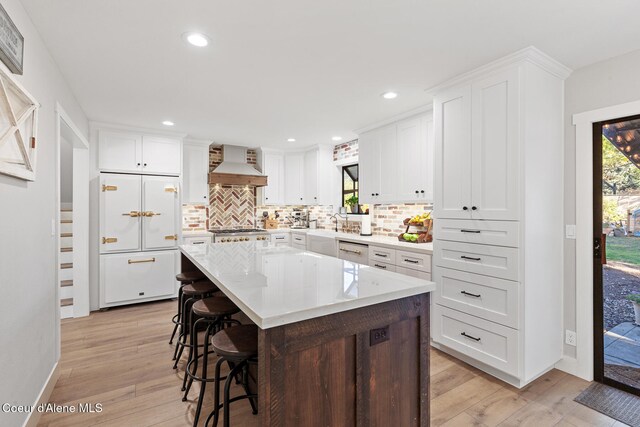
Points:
[(336, 138), (168, 123), (389, 95), (291, 140), (196, 39)]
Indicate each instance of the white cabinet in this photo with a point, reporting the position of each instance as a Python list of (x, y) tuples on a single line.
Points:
[(273, 168), (137, 277), (294, 179), (477, 132), (299, 240), (498, 237), (280, 239), (138, 212), (396, 162), (197, 240), (415, 159), (318, 179), (195, 173), (120, 151)]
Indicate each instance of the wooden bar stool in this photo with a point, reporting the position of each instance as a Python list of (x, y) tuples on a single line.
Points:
[(215, 313), (190, 294), (238, 346), (184, 278)]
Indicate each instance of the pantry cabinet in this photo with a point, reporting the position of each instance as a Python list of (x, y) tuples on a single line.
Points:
[(476, 142), (396, 162), (130, 152), (195, 187), (498, 237)]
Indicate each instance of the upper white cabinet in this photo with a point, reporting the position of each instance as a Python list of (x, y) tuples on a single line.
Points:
[(396, 162), (195, 171), (294, 179), (317, 176), (273, 168), (476, 131), (121, 151)]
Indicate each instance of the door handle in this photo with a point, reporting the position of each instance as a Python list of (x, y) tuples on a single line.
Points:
[(470, 258), (132, 214), (471, 295), (109, 188), (150, 214), (470, 337), (171, 237), (140, 261), (106, 240)]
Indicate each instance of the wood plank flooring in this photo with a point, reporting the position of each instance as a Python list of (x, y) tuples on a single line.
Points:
[(121, 358)]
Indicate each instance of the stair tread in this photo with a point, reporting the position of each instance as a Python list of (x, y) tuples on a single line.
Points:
[(66, 234), (66, 302), (65, 283), (66, 265), (66, 221), (66, 209), (66, 249)]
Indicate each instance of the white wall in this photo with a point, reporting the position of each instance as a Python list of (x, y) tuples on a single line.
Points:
[(611, 82), (28, 307)]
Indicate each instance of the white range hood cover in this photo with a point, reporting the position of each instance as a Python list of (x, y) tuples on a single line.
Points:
[(234, 161)]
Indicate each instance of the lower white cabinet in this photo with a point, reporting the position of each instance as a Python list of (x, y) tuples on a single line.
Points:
[(138, 277), (280, 239), (197, 240), (382, 265), (485, 341), (413, 273), (353, 252), (299, 240), (322, 245), (495, 261)]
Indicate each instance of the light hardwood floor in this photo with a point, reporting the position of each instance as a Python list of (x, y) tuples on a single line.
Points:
[(121, 358)]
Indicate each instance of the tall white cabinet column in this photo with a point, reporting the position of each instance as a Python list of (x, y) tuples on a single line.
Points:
[(498, 234)]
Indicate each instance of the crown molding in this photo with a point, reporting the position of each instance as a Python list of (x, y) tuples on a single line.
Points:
[(414, 112), (95, 125), (529, 54)]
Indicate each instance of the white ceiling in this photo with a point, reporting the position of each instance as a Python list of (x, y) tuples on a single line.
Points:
[(307, 69)]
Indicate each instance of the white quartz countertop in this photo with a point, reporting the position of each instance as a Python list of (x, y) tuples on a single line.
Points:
[(276, 286), (384, 241), (199, 233)]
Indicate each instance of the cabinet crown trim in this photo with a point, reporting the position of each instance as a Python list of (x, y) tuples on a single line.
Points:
[(398, 117), (529, 54), (101, 126)]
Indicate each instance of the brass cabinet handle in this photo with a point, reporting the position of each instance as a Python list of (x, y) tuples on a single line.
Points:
[(150, 214), (133, 214), (350, 251), (106, 240), (171, 237), (140, 261), (109, 188), (171, 190)]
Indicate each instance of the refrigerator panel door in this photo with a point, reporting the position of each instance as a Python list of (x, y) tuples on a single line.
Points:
[(119, 212), (161, 212)]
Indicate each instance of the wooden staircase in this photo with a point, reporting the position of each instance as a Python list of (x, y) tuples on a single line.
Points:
[(65, 269)]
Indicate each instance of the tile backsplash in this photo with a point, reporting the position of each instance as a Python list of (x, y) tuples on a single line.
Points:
[(345, 150), (388, 219), (195, 217)]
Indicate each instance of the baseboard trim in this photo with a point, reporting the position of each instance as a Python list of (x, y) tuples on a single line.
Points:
[(45, 394), (571, 366)]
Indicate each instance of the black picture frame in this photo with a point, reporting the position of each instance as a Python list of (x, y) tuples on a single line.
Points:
[(11, 43)]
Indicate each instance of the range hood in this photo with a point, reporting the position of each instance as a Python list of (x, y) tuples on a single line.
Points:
[(234, 169)]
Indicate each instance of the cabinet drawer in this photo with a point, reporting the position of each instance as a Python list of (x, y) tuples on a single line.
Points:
[(485, 341), (381, 265), (197, 240), (494, 261), (353, 252), (385, 255), (139, 276), (486, 297), (414, 273), (414, 261), (299, 239), (498, 233), (280, 238)]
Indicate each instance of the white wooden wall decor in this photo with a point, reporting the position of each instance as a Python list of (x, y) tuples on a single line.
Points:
[(18, 129)]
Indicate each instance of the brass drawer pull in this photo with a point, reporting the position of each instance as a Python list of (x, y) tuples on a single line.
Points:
[(140, 261), (171, 237), (133, 214), (106, 240), (171, 189), (350, 251), (109, 188)]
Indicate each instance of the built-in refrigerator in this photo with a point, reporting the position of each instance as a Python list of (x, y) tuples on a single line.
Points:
[(140, 219)]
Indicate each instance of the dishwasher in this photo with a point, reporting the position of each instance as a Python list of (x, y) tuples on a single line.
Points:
[(354, 252)]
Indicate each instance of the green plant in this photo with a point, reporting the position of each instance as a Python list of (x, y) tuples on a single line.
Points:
[(351, 201), (633, 298)]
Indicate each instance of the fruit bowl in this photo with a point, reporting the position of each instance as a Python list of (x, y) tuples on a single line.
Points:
[(422, 237)]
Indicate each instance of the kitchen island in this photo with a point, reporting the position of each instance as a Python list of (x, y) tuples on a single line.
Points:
[(339, 343)]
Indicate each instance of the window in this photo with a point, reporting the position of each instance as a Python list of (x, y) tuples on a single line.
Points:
[(349, 183)]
